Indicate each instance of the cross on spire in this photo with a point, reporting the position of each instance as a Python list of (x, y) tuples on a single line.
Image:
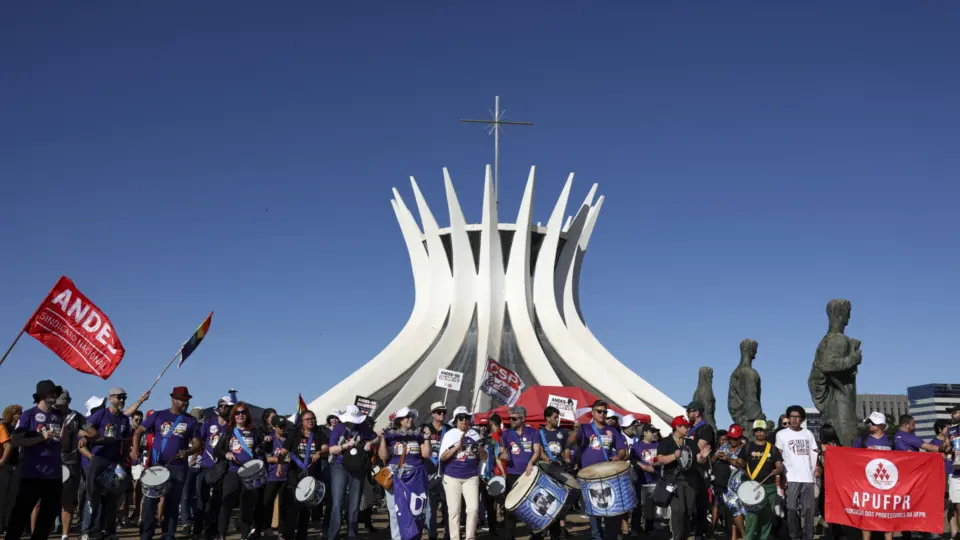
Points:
[(494, 126)]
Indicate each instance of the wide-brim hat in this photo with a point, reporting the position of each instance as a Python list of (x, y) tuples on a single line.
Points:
[(457, 412), (46, 387), (406, 412), (352, 415), (181, 393)]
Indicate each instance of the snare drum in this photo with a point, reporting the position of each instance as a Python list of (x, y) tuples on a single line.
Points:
[(310, 492), (253, 474), (607, 490), (64, 473), (496, 486), (537, 499), (751, 495), (155, 482), (113, 478)]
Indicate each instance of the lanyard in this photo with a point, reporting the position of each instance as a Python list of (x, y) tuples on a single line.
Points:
[(239, 436), (436, 460), (543, 438), (306, 454), (164, 439), (600, 441)]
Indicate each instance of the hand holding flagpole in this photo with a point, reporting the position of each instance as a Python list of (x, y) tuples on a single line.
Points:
[(187, 348)]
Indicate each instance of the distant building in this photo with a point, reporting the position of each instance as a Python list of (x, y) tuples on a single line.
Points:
[(930, 402), (814, 421), (891, 405)]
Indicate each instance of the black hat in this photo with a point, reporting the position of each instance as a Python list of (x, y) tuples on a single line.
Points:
[(951, 410), (46, 387)]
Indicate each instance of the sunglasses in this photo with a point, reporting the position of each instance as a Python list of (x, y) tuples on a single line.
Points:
[(784, 424), (440, 412), (121, 397), (516, 418), (599, 411), (241, 413), (309, 419), (461, 417)]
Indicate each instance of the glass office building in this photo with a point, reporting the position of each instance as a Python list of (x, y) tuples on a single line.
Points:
[(930, 402)]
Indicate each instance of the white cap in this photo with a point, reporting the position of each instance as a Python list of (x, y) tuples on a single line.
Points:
[(227, 400), (612, 413), (352, 414), (628, 420), (877, 418), (457, 412), (405, 412)]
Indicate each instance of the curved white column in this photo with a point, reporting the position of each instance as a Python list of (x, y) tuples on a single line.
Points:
[(491, 301)]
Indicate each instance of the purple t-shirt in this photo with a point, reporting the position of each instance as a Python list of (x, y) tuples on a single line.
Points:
[(947, 463), (519, 448), (591, 451), (112, 430), (178, 438), (873, 443), (41, 460), (277, 472), (341, 434), (399, 441), (235, 447), (645, 453), (466, 463), (907, 442), (210, 433)]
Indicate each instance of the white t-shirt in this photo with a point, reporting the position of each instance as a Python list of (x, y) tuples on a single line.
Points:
[(799, 450)]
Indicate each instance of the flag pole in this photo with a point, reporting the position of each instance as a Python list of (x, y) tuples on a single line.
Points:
[(12, 345), (170, 363)]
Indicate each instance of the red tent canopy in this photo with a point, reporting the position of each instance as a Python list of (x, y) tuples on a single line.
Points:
[(535, 398)]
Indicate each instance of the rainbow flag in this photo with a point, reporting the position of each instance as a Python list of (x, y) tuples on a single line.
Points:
[(191, 344), (301, 408)]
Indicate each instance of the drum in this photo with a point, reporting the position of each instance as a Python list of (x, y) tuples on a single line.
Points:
[(686, 458), (136, 472), (64, 473), (113, 478), (537, 499), (956, 452), (558, 473), (752, 495), (155, 481), (607, 489), (310, 491), (496, 486), (253, 474)]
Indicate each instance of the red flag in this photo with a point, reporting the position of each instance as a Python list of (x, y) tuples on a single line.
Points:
[(69, 324), (885, 491)]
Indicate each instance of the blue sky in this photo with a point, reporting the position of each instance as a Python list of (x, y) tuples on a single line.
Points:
[(175, 158)]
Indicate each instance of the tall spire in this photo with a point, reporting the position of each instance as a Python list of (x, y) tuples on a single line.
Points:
[(494, 126)]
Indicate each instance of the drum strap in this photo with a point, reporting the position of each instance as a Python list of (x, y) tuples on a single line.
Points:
[(546, 447), (164, 439), (763, 459), (239, 436), (306, 455), (600, 441)]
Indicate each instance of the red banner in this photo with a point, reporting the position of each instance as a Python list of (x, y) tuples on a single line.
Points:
[(69, 324), (501, 383), (885, 491)]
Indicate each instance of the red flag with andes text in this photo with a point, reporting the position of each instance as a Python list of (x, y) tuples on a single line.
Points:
[(69, 324), (889, 491)]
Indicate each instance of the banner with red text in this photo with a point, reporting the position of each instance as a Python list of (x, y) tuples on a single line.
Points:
[(501, 383), (885, 491), (69, 324)]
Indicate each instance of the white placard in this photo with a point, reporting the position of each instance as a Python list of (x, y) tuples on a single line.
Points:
[(566, 406), (450, 380)]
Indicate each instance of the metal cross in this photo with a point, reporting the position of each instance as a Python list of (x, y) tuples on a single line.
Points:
[(494, 127)]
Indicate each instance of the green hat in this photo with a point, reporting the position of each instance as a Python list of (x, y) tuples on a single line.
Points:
[(695, 406)]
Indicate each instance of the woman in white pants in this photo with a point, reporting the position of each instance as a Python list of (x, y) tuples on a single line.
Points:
[(460, 456)]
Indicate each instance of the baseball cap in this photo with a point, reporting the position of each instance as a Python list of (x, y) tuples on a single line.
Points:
[(877, 418), (695, 405), (759, 424), (679, 421), (735, 431), (437, 406), (225, 400)]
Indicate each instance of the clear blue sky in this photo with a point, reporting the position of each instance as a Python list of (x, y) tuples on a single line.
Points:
[(181, 157)]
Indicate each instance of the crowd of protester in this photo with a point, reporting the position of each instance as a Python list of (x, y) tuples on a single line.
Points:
[(62, 470)]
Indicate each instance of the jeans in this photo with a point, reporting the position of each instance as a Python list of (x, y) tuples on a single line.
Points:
[(436, 497), (208, 507), (99, 512), (189, 500), (683, 509), (759, 524), (801, 503), (343, 484), (33, 490), (171, 512), (645, 514)]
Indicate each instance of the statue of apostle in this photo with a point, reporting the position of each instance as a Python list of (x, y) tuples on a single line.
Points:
[(704, 394), (743, 399), (833, 377)]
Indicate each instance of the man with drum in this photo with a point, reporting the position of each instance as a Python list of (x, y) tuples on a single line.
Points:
[(682, 460), (704, 436), (643, 453), (520, 451), (175, 436), (209, 496), (107, 429), (599, 443), (554, 451), (762, 463)]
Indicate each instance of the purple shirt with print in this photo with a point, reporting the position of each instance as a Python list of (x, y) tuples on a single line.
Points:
[(41, 460), (519, 448), (178, 438), (210, 433), (359, 434), (645, 453), (873, 443), (466, 463), (112, 430), (277, 472), (591, 452), (235, 447), (907, 442), (398, 441)]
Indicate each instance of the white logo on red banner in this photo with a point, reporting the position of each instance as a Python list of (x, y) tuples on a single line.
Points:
[(882, 474)]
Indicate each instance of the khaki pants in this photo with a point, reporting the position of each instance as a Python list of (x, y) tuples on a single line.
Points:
[(456, 490)]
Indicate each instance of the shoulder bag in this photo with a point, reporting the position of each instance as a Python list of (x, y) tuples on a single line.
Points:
[(384, 476)]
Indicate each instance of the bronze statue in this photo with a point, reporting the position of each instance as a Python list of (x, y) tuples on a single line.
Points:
[(833, 377), (743, 398), (704, 394)]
